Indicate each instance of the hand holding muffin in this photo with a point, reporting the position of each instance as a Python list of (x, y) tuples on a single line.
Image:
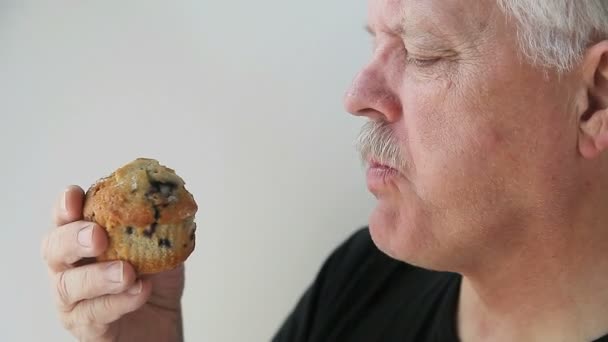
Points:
[(118, 272)]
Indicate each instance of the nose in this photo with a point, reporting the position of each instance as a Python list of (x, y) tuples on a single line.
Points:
[(371, 95)]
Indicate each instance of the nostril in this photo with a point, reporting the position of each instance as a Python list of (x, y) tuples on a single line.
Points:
[(371, 114), (353, 104)]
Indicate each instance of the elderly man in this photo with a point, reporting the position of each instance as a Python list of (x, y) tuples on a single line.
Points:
[(486, 140)]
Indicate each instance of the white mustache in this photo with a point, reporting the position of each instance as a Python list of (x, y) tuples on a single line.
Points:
[(377, 142)]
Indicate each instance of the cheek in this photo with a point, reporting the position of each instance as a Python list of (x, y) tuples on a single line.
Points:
[(429, 115), (452, 144), (434, 130)]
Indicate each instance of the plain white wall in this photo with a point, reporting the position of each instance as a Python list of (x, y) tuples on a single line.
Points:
[(243, 98)]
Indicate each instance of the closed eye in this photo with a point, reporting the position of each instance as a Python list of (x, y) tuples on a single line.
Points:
[(422, 62)]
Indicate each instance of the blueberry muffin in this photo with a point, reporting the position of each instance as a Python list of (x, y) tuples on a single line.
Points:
[(147, 213)]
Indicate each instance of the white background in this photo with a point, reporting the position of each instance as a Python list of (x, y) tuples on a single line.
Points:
[(243, 98)]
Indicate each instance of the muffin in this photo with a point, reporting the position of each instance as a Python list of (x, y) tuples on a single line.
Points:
[(147, 213)]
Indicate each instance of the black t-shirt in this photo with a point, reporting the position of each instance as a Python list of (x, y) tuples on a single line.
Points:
[(361, 294)]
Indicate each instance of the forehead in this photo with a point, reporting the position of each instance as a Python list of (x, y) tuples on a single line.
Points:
[(454, 16)]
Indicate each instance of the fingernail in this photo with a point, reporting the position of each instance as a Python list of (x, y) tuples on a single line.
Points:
[(135, 289), (85, 236), (114, 272)]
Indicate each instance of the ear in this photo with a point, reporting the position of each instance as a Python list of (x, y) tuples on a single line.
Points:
[(593, 117)]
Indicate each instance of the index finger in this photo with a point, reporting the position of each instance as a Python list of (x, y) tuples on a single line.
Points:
[(68, 208)]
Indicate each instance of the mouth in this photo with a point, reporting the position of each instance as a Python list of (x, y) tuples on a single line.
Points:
[(376, 164), (380, 176)]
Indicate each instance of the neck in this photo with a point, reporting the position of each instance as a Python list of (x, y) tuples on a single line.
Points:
[(553, 288)]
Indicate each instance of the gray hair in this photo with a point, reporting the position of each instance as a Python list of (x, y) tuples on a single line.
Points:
[(377, 142), (556, 33)]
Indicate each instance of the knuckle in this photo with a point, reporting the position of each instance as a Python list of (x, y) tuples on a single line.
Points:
[(45, 247), (85, 278), (93, 313), (53, 248), (90, 315), (62, 289), (106, 304)]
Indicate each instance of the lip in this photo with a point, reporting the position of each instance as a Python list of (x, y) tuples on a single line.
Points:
[(380, 176)]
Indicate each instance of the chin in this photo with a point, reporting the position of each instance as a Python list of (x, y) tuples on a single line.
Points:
[(403, 235)]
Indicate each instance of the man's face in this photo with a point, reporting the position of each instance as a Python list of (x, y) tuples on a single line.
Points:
[(487, 140)]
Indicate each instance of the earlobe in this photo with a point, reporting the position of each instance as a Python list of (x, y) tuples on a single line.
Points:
[(587, 148), (593, 135)]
